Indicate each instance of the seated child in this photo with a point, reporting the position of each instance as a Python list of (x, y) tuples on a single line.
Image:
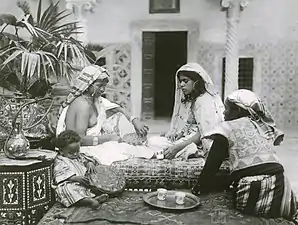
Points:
[(70, 170)]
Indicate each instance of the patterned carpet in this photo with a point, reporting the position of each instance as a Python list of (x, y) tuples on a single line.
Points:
[(130, 209)]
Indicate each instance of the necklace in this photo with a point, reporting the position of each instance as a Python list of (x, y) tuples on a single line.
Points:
[(88, 98), (90, 101)]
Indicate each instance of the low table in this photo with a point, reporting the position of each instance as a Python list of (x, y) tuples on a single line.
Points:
[(26, 193)]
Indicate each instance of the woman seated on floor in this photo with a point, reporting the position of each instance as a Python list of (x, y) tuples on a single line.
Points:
[(84, 111), (247, 136), (198, 108)]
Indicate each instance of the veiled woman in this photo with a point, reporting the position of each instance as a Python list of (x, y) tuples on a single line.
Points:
[(85, 112), (247, 137), (197, 109)]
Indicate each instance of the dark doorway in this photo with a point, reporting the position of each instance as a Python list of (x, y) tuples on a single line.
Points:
[(163, 54), (170, 54)]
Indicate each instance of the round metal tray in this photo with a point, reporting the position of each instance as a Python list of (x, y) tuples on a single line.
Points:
[(191, 201)]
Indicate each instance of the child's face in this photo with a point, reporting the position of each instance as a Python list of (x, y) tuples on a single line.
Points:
[(73, 147)]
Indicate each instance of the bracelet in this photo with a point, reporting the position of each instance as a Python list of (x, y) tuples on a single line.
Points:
[(132, 118), (95, 140)]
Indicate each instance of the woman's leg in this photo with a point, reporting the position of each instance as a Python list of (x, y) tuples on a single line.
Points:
[(266, 196)]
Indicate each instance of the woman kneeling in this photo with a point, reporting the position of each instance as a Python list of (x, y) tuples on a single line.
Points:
[(247, 137)]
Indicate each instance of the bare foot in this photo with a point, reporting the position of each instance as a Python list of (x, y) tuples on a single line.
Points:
[(94, 204), (102, 198)]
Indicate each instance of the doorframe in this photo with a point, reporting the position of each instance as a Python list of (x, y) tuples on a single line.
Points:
[(137, 29)]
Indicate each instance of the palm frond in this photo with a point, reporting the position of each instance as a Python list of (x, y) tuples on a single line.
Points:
[(12, 57), (49, 21), (51, 50), (9, 36), (65, 29), (24, 5), (60, 16), (24, 62), (8, 19), (38, 14), (48, 56), (47, 15), (9, 50)]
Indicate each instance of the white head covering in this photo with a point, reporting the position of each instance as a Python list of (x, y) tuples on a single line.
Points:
[(197, 68), (85, 79), (259, 114), (211, 103)]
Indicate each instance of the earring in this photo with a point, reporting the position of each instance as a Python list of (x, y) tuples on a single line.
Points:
[(93, 93), (194, 85)]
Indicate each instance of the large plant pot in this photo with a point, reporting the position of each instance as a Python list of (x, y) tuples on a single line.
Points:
[(31, 114)]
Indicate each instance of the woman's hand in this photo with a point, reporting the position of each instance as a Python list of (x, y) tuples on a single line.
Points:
[(90, 167), (174, 137), (141, 128), (171, 137), (171, 152), (82, 180)]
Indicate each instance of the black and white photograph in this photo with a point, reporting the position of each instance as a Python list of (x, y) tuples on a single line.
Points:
[(148, 112)]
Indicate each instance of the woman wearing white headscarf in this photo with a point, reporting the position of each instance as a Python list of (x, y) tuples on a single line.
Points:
[(198, 108), (84, 111), (247, 137)]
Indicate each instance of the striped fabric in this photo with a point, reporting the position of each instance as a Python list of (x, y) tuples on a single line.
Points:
[(87, 76), (266, 196), (68, 193)]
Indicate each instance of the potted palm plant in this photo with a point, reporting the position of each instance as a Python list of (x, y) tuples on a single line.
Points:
[(48, 51), (31, 63)]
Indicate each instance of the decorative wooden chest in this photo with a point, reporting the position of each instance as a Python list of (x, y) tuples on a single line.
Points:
[(26, 193)]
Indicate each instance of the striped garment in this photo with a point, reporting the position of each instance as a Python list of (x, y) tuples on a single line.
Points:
[(266, 196), (67, 192)]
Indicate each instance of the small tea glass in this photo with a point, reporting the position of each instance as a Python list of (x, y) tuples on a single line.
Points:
[(161, 194), (180, 198)]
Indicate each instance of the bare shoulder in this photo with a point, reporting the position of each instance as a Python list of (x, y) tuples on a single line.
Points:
[(78, 104)]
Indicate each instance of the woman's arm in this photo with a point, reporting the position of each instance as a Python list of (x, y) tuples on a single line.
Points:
[(196, 138), (78, 119), (218, 152), (171, 152), (121, 110), (140, 128)]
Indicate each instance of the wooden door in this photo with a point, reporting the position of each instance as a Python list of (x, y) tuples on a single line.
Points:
[(148, 71)]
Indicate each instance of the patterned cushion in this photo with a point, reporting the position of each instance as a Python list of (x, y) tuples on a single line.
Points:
[(171, 174)]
